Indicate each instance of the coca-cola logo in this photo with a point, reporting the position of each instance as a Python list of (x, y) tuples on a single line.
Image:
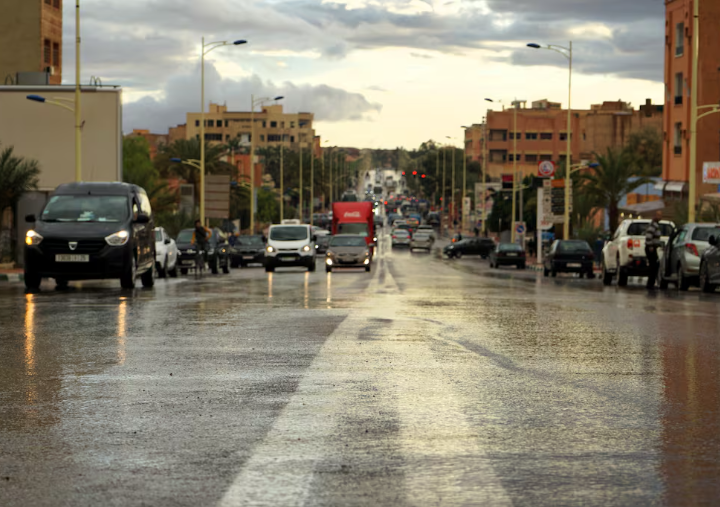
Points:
[(352, 214)]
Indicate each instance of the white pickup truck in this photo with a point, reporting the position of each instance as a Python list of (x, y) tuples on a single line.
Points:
[(624, 254)]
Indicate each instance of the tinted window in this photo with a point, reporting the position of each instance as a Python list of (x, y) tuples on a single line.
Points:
[(158, 236), (637, 229), (509, 247), (573, 246), (356, 241), (288, 233), (358, 228), (185, 236), (86, 208), (704, 233), (250, 241)]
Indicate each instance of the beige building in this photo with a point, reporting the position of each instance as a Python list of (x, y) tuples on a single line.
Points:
[(272, 127), (31, 41)]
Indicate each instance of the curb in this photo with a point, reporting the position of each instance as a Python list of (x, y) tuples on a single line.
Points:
[(12, 277)]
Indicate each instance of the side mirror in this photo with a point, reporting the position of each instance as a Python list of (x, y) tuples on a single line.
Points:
[(167, 241), (30, 219), (142, 219), (713, 241)]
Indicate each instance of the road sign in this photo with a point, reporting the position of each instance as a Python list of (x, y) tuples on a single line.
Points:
[(520, 228), (546, 169), (217, 195)]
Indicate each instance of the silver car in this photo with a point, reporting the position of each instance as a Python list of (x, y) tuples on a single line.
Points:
[(680, 264), (348, 251), (421, 239), (400, 237)]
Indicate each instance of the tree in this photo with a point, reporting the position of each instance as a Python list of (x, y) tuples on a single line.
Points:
[(616, 176), (17, 176), (139, 170), (644, 149)]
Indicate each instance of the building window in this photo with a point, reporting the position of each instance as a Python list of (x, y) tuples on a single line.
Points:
[(292, 124), (226, 123), (531, 136), (262, 138), (678, 138), (292, 139), (264, 124), (543, 158), (512, 158), (498, 135), (56, 55), (563, 136), (213, 137), (515, 135), (47, 2), (531, 158), (197, 123), (47, 53), (546, 136), (227, 137), (273, 124), (282, 124), (679, 39), (679, 88), (56, 4), (274, 138)]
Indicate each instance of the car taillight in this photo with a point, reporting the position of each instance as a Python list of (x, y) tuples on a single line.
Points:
[(630, 244), (692, 249), (394, 237)]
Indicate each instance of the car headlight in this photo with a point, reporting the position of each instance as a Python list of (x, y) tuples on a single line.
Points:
[(316, 247), (367, 261), (329, 261), (270, 249), (118, 239), (367, 254), (306, 248), (32, 238)]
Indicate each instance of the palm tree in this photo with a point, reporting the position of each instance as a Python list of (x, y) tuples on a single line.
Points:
[(139, 170), (614, 178), (17, 176)]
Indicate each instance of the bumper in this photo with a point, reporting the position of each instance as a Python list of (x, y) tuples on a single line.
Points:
[(400, 243), (108, 262), (358, 262), (249, 257), (573, 266), (288, 259), (510, 261), (638, 266), (421, 245)]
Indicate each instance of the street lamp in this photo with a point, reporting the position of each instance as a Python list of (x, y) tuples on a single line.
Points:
[(206, 48), (453, 209), (253, 103), (567, 52)]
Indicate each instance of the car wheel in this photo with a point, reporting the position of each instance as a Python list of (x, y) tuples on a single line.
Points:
[(174, 271), (269, 268), (458, 255), (148, 278), (521, 266), (606, 277), (546, 272), (162, 269), (553, 272), (311, 267), (183, 271), (581, 275), (328, 269), (622, 278), (32, 280), (235, 265), (367, 268), (683, 282), (61, 284), (127, 280), (705, 284), (214, 266)]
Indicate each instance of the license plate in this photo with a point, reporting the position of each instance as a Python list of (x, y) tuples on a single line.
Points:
[(72, 258), (574, 265), (188, 263), (246, 257), (287, 259), (512, 255)]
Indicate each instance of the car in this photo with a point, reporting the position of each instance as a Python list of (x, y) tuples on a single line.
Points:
[(290, 245), (569, 256), (166, 254), (217, 256), (433, 218), (680, 264), (429, 228), (624, 255), (422, 240), (710, 265), (321, 243), (412, 222), (92, 231), (348, 251), (248, 250), (507, 254), (379, 221), (470, 246), (400, 237), (404, 226)]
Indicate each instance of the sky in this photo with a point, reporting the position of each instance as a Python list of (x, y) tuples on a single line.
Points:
[(376, 73)]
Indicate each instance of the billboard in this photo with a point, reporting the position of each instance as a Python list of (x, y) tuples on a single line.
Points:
[(711, 173)]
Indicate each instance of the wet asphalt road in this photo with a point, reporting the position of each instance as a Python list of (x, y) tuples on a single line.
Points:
[(426, 382)]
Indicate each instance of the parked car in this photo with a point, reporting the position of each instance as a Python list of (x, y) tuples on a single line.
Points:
[(217, 255), (321, 244), (400, 237), (248, 250), (429, 229), (710, 265), (90, 231), (470, 246), (624, 254), (348, 251), (569, 256), (680, 263), (507, 254), (422, 240), (166, 254)]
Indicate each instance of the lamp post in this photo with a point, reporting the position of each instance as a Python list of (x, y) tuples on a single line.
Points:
[(437, 173), (484, 171), (453, 208), (206, 48), (253, 103), (567, 52), (464, 190), (282, 179)]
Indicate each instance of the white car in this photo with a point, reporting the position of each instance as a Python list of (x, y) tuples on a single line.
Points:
[(421, 239), (290, 245), (624, 255), (166, 254)]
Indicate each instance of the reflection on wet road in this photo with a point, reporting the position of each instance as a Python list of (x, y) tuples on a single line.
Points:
[(426, 382)]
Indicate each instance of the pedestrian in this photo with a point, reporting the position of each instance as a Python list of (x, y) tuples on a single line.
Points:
[(477, 231), (599, 245), (652, 243)]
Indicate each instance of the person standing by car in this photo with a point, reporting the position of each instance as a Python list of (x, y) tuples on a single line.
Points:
[(652, 244), (201, 236)]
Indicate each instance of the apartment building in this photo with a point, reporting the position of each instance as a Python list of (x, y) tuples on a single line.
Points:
[(31, 42), (678, 87)]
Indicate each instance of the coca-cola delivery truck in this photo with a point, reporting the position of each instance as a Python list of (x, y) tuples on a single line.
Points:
[(354, 218)]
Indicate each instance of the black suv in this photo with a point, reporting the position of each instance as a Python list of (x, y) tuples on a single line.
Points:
[(217, 255), (248, 250), (91, 231), (470, 246)]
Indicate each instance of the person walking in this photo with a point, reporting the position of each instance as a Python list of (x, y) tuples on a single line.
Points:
[(652, 244)]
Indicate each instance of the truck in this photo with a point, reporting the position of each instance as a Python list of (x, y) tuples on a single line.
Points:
[(354, 218)]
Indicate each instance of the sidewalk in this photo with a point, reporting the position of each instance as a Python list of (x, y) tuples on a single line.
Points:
[(11, 275)]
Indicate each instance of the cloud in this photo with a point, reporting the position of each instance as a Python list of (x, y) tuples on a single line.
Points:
[(420, 55), (181, 94)]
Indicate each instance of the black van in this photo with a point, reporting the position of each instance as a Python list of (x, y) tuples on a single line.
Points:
[(91, 231)]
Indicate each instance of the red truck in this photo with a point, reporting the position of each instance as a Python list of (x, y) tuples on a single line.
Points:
[(354, 218)]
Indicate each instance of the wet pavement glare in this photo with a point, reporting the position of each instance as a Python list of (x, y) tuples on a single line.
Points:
[(425, 382)]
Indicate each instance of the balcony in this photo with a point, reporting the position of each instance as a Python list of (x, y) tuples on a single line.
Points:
[(678, 100), (678, 150)]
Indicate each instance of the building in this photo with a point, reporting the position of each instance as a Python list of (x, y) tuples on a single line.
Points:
[(155, 141), (678, 87), (273, 127), (31, 42), (542, 133)]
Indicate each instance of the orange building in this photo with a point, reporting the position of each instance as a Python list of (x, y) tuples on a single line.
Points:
[(678, 87)]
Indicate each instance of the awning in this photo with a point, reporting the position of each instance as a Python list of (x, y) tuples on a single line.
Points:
[(675, 186), (660, 185)]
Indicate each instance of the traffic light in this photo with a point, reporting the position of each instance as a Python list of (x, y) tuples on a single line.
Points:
[(414, 173), (403, 173), (422, 176)]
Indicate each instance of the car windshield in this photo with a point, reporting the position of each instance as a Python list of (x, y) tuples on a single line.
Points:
[(86, 208), (353, 228), (639, 228), (573, 246), (158, 236), (401, 233), (250, 241), (185, 236), (349, 241), (323, 240), (704, 233), (509, 247), (422, 234), (288, 233)]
